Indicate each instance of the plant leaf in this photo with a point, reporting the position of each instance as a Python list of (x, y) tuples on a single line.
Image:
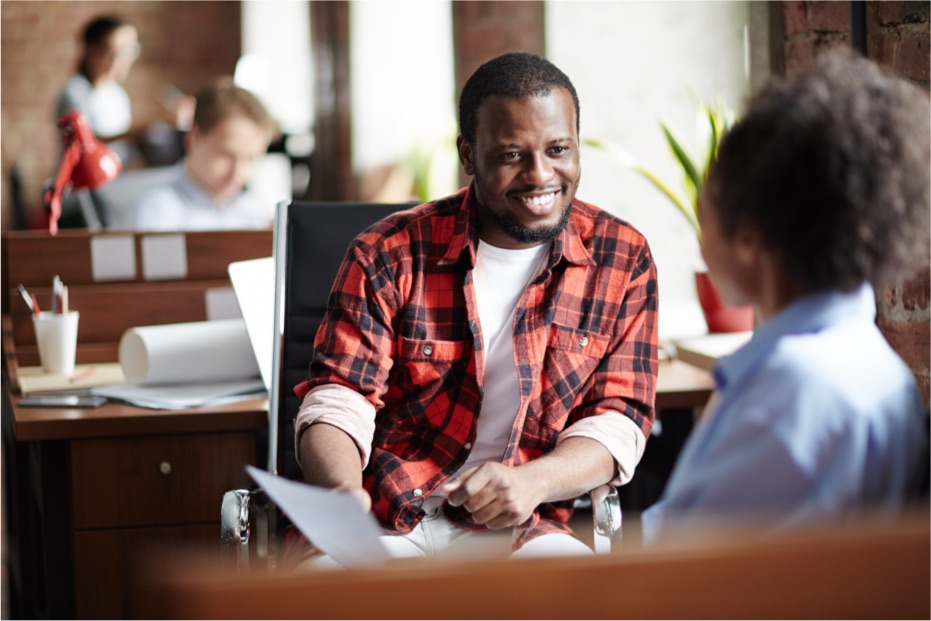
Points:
[(688, 166), (683, 207)]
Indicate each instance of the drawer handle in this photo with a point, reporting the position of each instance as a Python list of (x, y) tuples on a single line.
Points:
[(164, 468)]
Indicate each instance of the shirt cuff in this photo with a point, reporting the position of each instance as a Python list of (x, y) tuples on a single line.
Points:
[(342, 408), (618, 433)]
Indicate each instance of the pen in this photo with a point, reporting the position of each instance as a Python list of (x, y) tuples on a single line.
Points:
[(30, 299), (56, 294)]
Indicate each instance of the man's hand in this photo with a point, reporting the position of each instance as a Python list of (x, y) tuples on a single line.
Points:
[(497, 496)]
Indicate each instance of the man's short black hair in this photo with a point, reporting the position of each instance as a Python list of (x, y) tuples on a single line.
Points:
[(832, 170), (516, 75)]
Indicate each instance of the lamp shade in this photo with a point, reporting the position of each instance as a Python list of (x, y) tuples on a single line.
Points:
[(86, 163)]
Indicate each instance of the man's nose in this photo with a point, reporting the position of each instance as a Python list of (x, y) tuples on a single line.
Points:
[(538, 170)]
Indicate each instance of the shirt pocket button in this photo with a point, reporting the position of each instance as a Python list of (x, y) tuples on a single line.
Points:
[(428, 350), (583, 341)]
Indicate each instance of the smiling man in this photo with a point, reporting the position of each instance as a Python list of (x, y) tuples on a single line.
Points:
[(231, 130), (489, 356)]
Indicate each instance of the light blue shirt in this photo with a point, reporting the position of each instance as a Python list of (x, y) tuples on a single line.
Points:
[(184, 205), (816, 417)]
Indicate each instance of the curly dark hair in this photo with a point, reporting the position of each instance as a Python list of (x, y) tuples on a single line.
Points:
[(516, 75), (832, 169)]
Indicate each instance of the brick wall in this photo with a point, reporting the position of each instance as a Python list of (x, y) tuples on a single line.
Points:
[(897, 35), (183, 43)]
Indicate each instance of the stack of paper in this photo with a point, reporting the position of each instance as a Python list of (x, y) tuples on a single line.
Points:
[(180, 396)]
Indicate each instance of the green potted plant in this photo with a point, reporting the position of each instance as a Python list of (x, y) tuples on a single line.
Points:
[(716, 118)]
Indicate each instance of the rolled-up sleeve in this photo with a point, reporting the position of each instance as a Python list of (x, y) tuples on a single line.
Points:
[(342, 408), (619, 434)]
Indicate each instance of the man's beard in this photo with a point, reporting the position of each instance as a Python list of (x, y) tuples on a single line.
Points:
[(506, 222)]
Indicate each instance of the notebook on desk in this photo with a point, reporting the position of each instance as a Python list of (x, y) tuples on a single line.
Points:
[(254, 284)]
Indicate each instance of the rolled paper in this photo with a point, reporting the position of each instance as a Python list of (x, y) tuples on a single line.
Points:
[(187, 353)]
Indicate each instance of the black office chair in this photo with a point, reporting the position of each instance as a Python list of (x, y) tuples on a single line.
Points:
[(310, 242)]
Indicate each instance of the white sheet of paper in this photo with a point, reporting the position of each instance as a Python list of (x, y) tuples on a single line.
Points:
[(164, 257), (181, 396), (333, 521), (113, 257)]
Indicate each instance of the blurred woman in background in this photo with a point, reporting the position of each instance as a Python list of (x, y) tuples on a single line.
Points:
[(109, 48)]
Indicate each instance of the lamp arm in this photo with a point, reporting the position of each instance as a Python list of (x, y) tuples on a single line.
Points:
[(53, 195)]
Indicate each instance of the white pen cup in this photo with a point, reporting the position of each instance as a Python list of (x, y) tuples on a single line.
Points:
[(57, 338)]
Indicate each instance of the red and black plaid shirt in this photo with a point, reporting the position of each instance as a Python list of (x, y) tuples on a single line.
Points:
[(402, 329)]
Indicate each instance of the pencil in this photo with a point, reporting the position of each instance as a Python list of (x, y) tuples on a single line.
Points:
[(83, 374)]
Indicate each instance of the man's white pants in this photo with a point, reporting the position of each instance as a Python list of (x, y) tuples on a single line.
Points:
[(435, 537)]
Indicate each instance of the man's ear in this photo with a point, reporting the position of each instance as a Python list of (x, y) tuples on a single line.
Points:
[(190, 137), (748, 243), (465, 155)]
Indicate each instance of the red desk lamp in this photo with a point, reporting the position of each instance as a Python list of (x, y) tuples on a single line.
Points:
[(86, 163)]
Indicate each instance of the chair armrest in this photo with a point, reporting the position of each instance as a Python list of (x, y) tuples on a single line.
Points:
[(606, 516), (234, 528)]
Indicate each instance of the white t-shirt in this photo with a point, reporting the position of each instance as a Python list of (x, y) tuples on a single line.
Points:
[(501, 276)]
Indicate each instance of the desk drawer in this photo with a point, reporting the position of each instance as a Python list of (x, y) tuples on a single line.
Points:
[(157, 480), (107, 563)]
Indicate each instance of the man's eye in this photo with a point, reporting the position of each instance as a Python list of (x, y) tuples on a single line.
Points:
[(510, 155), (559, 150)]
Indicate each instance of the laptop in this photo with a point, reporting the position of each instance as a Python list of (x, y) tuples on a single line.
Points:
[(254, 285)]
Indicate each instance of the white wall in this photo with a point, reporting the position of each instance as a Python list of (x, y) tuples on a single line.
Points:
[(276, 62), (632, 62), (403, 89)]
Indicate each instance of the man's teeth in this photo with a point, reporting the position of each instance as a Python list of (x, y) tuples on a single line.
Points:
[(546, 199)]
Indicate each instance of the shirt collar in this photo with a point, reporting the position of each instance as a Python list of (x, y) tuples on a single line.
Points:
[(194, 192), (568, 244), (807, 315)]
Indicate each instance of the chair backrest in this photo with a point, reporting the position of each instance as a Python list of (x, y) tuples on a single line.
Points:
[(311, 239)]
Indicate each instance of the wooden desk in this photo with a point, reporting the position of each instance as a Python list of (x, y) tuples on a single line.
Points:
[(681, 385), (90, 487), (87, 489)]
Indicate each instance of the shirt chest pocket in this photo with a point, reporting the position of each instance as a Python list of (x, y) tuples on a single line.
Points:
[(427, 362), (572, 356)]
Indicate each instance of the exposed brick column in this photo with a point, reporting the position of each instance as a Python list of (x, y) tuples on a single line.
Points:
[(331, 163), (483, 30), (904, 320), (811, 27), (898, 37)]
